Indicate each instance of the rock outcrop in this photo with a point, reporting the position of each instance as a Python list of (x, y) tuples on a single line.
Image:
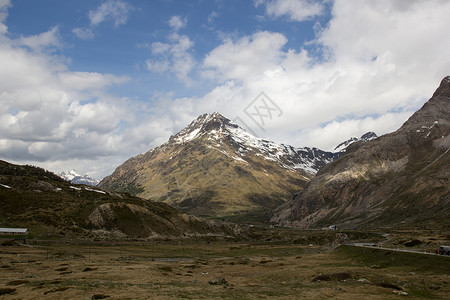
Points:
[(398, 179)]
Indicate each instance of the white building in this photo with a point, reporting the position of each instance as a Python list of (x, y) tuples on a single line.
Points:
[(13, 231)]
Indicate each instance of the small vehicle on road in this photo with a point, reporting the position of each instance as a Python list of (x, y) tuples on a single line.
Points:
[(443, 250)]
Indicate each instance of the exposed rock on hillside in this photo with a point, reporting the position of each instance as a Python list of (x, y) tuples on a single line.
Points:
[(400, 178), (342, 147), (46, 204)]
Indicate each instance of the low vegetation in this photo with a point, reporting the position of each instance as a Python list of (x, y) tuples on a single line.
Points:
[(198, 269), (48, 206)]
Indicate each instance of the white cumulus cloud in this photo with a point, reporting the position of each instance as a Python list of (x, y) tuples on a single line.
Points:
[(381, 61), (52, 116), (176, 22), (246, 58), (84, 33), (174, 56), (116, 11), (4, 5), (296, 10)]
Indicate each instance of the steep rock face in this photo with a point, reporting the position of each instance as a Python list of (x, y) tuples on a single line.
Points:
[(214, 168), (400, 178)]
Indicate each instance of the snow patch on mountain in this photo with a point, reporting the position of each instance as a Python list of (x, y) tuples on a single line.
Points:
[(92, 190), (188, 137)]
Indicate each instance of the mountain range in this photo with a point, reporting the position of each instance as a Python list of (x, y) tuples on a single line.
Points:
[(215, 168), (74, 177), (399, 179)]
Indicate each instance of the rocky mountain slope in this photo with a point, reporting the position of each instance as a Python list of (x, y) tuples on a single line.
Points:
[(46, 204), (74, 177), (342, 147), (399, 179), (214, 168)]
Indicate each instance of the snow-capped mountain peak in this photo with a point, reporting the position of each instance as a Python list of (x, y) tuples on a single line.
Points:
[(69, 175), (74, 177), (214, 167), (217, 130), (200, 126)]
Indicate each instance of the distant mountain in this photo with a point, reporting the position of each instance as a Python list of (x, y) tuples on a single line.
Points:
[(74, 177), (43, 202), (215, 168), (399, 179), (342, 147)]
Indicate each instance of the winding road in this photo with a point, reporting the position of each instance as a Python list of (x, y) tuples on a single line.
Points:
[(375, 246)]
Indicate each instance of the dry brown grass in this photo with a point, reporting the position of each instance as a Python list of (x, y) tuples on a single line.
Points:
[(184, 271)]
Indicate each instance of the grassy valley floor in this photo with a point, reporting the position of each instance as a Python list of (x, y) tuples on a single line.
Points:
[(216, 270)]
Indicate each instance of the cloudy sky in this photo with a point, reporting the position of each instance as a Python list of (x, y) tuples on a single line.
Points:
[(87, 84)]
